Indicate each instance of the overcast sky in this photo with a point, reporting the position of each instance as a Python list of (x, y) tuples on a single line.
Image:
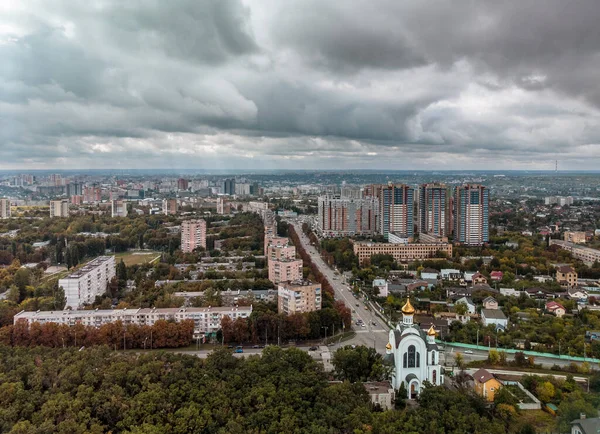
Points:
[(311, 84)]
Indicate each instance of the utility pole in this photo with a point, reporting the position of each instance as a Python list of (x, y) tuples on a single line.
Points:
[(477, 338)]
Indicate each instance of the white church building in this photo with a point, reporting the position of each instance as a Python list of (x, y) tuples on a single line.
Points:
[(414, 354)]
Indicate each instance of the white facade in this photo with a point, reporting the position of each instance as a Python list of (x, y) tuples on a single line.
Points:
[(494, 316), (207, 320), (85, 284), (118, 208), (4, 208), (415, 355)]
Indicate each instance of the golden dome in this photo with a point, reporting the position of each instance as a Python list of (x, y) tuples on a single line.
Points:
[(431, 331), (388, 346), (407, 309)]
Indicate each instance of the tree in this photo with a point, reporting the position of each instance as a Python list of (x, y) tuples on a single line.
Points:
[(545, 391), (359, 364), (459, 360), (121, 271)]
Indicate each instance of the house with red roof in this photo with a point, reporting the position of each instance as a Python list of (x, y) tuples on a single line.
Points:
[(496, 275), (555, 308)]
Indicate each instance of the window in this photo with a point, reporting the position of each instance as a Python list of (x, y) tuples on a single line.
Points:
[(411, 356), (434, 377), (404, 362)]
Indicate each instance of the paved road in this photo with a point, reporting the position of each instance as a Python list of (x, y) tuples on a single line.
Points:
[(375, 332)]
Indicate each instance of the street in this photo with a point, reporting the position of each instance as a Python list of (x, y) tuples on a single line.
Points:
[(375, 332)]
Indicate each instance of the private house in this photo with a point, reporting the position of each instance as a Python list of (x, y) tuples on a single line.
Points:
[(578, 294), (496, 276), (494, 316), (490, 303), (381, 285), (486, 385), (468, 302), (382, 394), (479, 279), (555, 308), (566, 276), (430, 274), (585, 425), (540, 294)]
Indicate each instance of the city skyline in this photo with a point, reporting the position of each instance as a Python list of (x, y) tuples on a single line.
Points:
[(241, 84)]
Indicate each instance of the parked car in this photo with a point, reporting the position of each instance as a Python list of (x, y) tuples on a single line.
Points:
[(313, 348), (239, 349)]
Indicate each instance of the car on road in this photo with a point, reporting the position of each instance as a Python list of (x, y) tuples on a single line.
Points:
[(357, 304), (468, 352), (239, 349), (255, 346), (313, 348), (363, 324), (374, 323)]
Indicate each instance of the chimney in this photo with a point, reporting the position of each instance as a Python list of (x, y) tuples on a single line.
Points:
[(582, 415)]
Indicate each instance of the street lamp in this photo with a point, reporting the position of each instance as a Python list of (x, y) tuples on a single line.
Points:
[(325, 327)]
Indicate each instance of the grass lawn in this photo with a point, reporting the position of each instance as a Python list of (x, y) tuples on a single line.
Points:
[(137, 257)]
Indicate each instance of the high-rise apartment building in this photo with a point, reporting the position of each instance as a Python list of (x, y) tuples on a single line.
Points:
[(281, 252), (193, 235), (118, 208), (59, 208), (287, 270), (228, 186), (92, 194), (169, 206), (74, 189), (223, 206), (433, 210), (4, 208), (182, 184), (82, 286), (396, 210), (471, 214), (347, 217), (298, 297)]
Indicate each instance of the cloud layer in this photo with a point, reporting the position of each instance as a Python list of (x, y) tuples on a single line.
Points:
[(299, 84)]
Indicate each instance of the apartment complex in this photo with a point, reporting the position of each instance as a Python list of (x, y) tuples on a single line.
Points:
[(433, 210), (223, 206), (566, 276), (193, 235), (285, 270), (228, 187), (118, 208), (400, 252), (207, 320), (574, 237), (298, 297), (4, 208), (59, 208), (471, 214), (586, 254), (558, 200), (82, 286), (182, 184), (347, 216), (169, 206), (92, 194)]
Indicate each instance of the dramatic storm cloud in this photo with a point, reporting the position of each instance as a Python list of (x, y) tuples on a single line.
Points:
[(217, 84)]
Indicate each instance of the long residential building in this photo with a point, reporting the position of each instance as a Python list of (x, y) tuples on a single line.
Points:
[(59, 208), (471, 214), (118, 208), (4, 208), (298, 297), (169, 206), (586, 254), (82, 286), (193, 235), (433, 210), (400, 252), (207, 320), (347, 216)]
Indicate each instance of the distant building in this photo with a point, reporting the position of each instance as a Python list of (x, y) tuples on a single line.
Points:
[(74, 189), (193, 235), (574, 237), (182, 184), (228, 187), (433, 210), (281, 253), (486, 385), (289, 270), (490, 303), (559, 200), (59, 208), (471, 214), (169, 206), (566, 276), (585, 254), (92, 194), (223, 206), (467, 302), (346, 217), (84, 285), (382, 394), (4, 208), (298, 297), (118, 208), (400, 252)]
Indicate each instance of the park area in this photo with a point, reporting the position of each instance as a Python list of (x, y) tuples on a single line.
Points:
[(137, 257)]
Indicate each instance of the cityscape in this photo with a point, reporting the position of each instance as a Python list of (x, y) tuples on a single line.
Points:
[(299, 216)]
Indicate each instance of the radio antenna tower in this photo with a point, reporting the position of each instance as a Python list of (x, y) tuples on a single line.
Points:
[(556, 165)]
